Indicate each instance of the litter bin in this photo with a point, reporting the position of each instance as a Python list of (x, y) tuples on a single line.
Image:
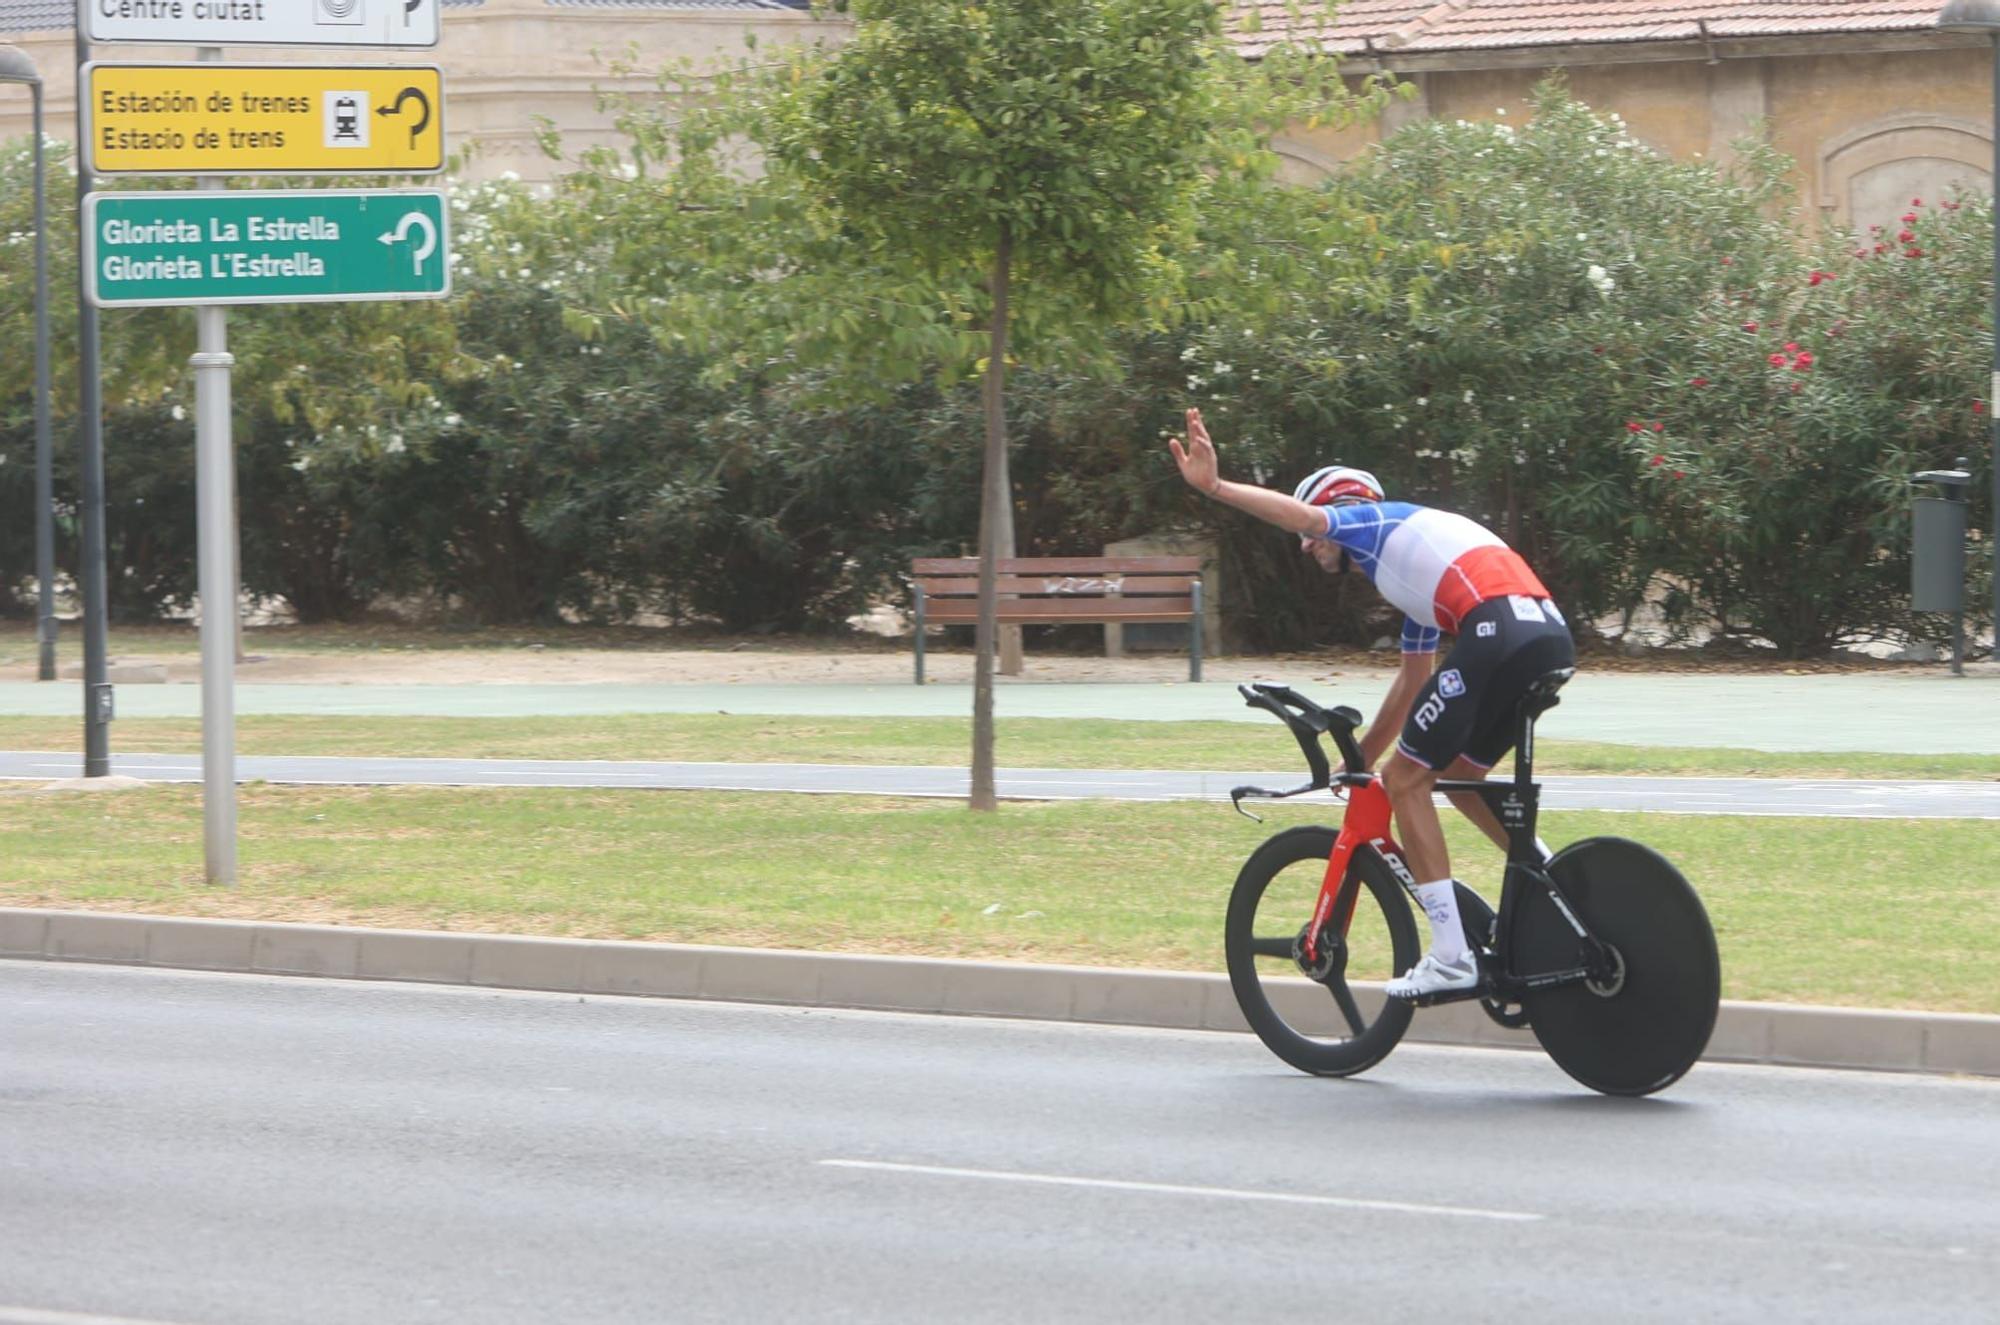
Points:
[(1937, 551)]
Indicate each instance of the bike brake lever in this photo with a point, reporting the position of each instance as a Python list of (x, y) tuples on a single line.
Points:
[(1237, 795)]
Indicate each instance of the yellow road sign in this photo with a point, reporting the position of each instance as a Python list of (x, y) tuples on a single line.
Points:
[(264, 119)]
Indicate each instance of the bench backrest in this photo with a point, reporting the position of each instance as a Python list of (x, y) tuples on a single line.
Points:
[(1083, 588), (1061, 577)]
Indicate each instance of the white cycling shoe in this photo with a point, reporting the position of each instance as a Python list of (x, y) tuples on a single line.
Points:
[(1434, 975)]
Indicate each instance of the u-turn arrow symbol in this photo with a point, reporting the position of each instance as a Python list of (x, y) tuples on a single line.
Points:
[(425, 246)]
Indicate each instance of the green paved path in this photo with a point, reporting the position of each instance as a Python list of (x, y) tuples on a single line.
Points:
[(1903, 712)]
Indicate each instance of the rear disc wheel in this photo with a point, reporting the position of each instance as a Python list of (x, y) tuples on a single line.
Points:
[(1643, 1021)]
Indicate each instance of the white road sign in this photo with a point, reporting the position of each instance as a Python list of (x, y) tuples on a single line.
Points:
[(262, 22)]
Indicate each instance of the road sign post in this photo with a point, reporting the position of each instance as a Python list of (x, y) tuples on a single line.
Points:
[(273, 119), (216, 541), (212, 247)]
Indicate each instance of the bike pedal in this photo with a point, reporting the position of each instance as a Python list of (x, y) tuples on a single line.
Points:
[(1480, 990)]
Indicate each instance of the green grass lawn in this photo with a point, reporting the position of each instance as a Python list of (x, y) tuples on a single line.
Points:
[(1022, 742), (1860, 912)]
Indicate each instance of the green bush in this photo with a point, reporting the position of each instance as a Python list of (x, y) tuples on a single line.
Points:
[(1632, 368)]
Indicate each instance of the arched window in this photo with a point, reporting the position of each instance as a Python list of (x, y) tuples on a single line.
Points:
[(1868, 177), (1299, 164)]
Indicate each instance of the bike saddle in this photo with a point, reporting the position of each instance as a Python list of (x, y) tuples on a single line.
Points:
[(1540, 696)]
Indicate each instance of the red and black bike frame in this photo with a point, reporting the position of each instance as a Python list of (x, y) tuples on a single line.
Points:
[(1366, 825)]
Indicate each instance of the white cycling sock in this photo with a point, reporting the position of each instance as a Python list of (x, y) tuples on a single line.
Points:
[(1440, 903)]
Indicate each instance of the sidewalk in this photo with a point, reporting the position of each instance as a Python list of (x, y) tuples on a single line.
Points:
[(1906, 712)]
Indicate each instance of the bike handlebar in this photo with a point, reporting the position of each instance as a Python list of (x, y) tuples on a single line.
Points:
[(1308, 722)]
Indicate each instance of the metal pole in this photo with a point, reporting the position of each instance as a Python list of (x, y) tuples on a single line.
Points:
[(215, 554), (1993, 398), (97, 701), (45, 499)]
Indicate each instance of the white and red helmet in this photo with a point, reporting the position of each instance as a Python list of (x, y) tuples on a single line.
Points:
[(1338, 485)]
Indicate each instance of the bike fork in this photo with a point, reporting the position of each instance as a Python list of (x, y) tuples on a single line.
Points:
[(1366, 821)]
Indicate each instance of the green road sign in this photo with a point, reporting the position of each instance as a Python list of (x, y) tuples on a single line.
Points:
[(265, 247)]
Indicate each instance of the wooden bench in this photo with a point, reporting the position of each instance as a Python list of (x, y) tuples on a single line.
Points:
[(1060, 591)]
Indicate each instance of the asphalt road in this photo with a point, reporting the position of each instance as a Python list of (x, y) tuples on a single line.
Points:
[(207, 1150), (1926, 711), (1672, 795)]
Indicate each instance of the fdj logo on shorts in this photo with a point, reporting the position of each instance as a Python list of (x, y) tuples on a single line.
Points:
[(1450, 684)]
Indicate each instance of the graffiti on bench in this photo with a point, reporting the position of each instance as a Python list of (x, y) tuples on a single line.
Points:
[(1082, 584)]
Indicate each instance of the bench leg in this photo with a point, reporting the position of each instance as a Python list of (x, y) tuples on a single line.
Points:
[(1194, 635), (920, 634)]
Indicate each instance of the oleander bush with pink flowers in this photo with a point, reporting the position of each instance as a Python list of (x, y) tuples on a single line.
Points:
[(1635, 369)]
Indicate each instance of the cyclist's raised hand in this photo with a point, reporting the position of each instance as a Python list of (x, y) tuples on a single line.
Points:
[(1197, 458)]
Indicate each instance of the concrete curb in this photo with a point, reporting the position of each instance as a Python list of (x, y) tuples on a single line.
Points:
[(1786, 1034)]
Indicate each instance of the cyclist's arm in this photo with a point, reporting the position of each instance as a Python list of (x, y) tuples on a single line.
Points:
[(1278, 508), (1395, 710)]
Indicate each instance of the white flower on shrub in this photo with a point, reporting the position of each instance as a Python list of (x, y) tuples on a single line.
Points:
[(1600, 278)]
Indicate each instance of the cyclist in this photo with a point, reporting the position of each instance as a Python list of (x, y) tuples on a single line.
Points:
[(1447, 574)]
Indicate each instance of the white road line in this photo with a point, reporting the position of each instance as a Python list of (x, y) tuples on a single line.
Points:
[(1176, 1189), (36, 1316)]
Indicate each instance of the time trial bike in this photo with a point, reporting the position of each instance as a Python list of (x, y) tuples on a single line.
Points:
[(1603, 950)]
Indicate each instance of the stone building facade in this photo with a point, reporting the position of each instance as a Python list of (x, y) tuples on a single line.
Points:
[(1873, 104)]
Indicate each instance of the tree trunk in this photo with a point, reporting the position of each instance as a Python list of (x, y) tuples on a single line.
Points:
[(1010, 636), (993, 514)]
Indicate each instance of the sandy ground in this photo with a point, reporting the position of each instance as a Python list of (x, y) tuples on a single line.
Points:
[(334, 657)]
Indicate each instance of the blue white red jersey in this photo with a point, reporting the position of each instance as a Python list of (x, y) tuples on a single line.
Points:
[(1433, 565)]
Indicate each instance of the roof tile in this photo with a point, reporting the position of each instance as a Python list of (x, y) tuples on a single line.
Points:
[(1362, 26)]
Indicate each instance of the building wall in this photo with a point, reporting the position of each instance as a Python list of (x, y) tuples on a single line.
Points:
[(1867, 130)]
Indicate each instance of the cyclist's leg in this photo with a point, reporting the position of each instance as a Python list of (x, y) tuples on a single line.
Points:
[(1409, 784), (1445, 718), (1472, 805), (1440, 723), (1451, 729)]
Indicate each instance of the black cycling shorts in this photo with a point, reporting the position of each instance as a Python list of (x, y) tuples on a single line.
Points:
[(1467, 706)]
